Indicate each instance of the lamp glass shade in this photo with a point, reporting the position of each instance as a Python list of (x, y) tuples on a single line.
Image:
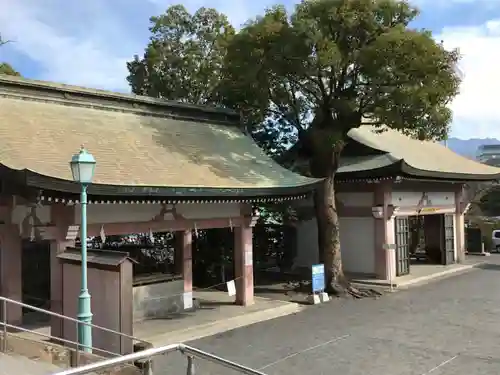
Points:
[(378, 212), (83, 167)]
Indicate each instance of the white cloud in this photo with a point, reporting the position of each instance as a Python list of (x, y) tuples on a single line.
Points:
[(88, 42), (476, 109), (70, 44)]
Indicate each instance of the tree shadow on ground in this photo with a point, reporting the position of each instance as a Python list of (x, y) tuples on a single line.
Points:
[(489, 267)]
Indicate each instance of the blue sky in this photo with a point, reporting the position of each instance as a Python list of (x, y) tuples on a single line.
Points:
[(88, 43)]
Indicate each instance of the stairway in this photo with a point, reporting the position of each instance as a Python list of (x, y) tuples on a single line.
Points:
[(11, 364)]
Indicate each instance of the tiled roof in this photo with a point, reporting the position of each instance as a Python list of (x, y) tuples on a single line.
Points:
[(423, 158), (136, 141)]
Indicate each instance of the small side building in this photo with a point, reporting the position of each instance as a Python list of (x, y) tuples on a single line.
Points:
[(392, 189)]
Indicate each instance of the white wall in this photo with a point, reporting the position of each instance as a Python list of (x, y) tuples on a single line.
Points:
[(19, 213), (122, 213), (410, 198), (26, 216), (357, 241), (357, 238), (307, 244), (356, 199)]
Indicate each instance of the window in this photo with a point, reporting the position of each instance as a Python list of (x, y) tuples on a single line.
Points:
[(496, 234)]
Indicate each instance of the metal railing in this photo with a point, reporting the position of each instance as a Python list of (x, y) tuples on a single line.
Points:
[(147, 354), (78, 347)]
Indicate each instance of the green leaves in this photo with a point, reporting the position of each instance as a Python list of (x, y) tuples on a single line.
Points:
[(317, 72), (183, 60), (350, 60), (8, 70), (4, 67)]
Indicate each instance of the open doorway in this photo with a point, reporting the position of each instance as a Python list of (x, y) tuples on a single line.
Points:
[(35, 278), (432, 239)]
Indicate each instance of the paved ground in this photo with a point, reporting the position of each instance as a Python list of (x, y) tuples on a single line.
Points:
[(15, 365), (447, 327)]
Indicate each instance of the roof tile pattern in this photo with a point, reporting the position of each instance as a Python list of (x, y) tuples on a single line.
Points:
[(422, 155), (131, 148)]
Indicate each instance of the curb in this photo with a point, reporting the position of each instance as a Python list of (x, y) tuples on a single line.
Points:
[(210, 329), (422, 280), (430, 278)]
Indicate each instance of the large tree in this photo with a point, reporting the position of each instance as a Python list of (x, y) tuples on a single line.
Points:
[(184, 57), (331, 66), (183, 61), (8, 70), (4, 67)]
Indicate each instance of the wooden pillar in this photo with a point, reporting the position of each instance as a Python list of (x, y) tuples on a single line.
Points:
[(384, 229), (243, 258), (62, 217), (11, 270), (460, 224), (178, 252), (187, 266)]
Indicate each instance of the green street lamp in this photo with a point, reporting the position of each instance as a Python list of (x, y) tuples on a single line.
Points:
[(82, 167)]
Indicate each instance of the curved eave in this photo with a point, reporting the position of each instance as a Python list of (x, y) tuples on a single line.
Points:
[(70, 189), (419, 173), (401, 167), (393, 169)]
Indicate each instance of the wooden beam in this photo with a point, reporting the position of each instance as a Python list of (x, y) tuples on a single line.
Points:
[(49, 232)]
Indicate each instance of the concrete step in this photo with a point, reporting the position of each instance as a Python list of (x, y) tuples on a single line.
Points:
[(11, 364)]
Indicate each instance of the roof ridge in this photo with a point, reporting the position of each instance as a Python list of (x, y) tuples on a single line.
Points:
[(45, 90)]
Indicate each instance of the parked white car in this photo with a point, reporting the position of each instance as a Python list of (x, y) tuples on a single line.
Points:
[(495, 241)]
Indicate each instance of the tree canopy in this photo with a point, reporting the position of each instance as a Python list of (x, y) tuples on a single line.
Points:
[(184, 57), (4, 67), (184, 61), (8, 70), (348, 62), (307, 78)]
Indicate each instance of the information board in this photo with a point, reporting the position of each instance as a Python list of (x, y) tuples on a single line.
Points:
[(318, 278)]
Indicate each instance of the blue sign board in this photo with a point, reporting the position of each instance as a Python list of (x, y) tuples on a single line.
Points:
[(318, 278)]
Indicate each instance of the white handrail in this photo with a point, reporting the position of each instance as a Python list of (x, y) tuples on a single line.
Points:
[(78, 347), (64, 317), (148, 353)]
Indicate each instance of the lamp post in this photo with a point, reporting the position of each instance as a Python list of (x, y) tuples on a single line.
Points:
[(82, 167)]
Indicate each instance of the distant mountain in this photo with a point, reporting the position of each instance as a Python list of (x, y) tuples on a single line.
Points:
[(468, 147)]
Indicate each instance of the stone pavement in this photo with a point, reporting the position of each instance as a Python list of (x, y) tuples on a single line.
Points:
[(217, 313), (15, 365), (451, 326)]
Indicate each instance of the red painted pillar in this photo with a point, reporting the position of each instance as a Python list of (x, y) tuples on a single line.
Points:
[(460, 225), (243, 258), (11, 270), (62, 217), (187, 267), (384, 229), (178, 252)]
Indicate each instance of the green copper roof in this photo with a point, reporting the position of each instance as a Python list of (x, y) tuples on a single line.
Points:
[(411, 156), (136, 141)]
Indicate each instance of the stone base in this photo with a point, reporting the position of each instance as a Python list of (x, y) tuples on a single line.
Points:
[(324, 297), (481, 254), (314, 299)]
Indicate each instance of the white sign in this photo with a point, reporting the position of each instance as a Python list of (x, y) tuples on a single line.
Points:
[(102, 234), (72, 232), (188, 300), (248, 258), (391, 266), (231, 288)]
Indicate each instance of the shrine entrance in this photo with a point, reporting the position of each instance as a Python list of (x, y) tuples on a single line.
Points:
[(35, 273), (402, 231)]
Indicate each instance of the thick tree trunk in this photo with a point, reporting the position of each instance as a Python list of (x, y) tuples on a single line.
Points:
[(329, 237)]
